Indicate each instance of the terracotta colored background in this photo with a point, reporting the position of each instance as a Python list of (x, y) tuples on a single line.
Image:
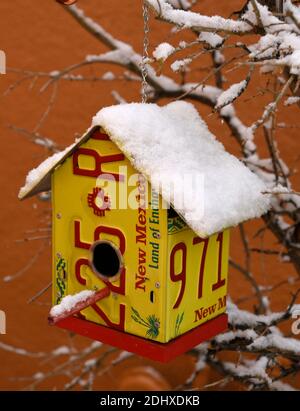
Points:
[(40, 35)]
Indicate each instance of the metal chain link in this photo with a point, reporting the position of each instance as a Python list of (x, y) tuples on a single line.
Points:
[(145, 53)]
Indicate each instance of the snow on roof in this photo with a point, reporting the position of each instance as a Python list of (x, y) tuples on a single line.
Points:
[(39, 178), (168, 142), (35, 175)]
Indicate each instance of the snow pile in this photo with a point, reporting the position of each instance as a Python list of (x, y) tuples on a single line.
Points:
[(180, 65), (256, 370), (189, 19), (292, 10), (276, 342), (121, 55), (247, 319), (270, 22), (265, 48), (239, 334), (69, 302), (108, 76), (292, 100), (62, 350), (293, 60), (37, 174), (229, 95), (214, 40), (279, 189), (163, 51), (278, 50), (166, 143), (185, 4)]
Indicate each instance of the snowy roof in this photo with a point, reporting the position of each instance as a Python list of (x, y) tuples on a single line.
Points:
[(166, 143)]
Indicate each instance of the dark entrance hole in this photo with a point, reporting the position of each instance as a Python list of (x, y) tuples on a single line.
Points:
[(106, 259)]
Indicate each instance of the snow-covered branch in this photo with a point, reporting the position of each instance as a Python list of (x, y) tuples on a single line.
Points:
[(197, 22)]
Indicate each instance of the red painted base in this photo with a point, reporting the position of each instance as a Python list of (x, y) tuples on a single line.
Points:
[(146, 348)]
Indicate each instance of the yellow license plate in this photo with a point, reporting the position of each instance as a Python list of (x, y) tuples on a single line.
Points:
[(169, 280)]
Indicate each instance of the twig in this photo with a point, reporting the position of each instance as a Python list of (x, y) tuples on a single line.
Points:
[(272, 106), (39, 294)]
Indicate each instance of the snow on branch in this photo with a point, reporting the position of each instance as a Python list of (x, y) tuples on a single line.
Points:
[(163, 51), (288, 347), (73, 304), (196, 21), (231, 94)]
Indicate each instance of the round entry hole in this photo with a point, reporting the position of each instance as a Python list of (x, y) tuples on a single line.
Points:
[(106, 260)]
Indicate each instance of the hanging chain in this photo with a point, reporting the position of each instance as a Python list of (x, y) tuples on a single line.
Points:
[(145, 53)]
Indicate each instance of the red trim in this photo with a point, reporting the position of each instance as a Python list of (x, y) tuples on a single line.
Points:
[(146, 348)]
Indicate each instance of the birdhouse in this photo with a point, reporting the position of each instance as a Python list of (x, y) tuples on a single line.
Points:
[(142, 206)]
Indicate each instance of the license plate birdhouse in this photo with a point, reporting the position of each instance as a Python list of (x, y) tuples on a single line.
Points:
[(142, 206)]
